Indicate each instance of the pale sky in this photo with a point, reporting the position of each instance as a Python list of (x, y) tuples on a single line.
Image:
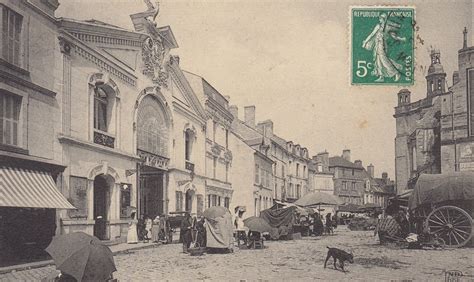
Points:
[(291, 60)]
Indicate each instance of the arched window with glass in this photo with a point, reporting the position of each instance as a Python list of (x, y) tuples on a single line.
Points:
[(100, 109)]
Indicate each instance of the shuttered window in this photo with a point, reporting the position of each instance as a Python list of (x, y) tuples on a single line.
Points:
[(11, 33)]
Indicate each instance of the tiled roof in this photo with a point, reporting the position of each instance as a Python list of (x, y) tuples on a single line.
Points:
[(253, 142), (280, 141), (341, 162), (245, 131)]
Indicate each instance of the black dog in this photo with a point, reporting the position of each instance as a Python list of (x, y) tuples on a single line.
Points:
[(338, 254)]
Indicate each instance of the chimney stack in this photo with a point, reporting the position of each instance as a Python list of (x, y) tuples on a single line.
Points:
[(464, 42), (323, 158), (385, 177), (370, 170), (346, 154), (266, 128), (358, 163), (234, 110), (249, 116)]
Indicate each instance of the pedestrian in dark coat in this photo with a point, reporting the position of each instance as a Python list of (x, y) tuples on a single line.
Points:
[(328, 223), (201, 232), (318, 225), (186, 232)]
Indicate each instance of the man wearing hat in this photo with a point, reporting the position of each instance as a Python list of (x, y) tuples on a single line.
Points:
[(186, 226)]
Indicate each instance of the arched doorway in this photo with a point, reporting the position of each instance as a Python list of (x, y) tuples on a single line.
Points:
[(101, 206)]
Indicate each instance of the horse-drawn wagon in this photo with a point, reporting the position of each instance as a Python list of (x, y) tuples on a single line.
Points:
[(442, 205)]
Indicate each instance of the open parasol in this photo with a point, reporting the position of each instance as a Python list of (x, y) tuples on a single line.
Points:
[(82, 256), (257, 224), (215, 212), (317, 199)]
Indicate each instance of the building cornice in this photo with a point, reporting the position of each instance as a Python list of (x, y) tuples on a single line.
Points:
[(183, 86), (105, 34), (185, 112), (95, 147), (9, 78), (11, 158), (95, 57), (40, 11)]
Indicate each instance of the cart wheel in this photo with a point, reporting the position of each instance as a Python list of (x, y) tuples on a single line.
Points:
[(452, 224)]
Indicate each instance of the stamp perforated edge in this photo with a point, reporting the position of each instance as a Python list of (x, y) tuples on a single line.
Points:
[(349, 45)]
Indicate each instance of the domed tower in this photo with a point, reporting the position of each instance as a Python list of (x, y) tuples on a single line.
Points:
[(436, 78), (404, 97)]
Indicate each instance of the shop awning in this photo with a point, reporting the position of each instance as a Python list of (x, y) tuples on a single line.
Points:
[(30, 189)]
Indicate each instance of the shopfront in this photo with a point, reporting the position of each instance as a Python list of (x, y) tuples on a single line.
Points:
[(28, 204)]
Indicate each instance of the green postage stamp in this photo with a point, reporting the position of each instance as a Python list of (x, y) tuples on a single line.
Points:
[(382, 40)]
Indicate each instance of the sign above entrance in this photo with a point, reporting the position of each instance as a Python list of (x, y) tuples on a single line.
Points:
[(152, 160)]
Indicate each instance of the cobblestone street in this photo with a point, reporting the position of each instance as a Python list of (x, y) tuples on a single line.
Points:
[(286, 260)]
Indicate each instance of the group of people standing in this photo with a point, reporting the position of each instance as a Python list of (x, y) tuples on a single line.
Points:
[(192, 230), (146, 229), (318, 225)]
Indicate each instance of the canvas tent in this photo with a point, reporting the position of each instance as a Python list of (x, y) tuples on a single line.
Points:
[(281, 220), (435, 188), (219, 228)]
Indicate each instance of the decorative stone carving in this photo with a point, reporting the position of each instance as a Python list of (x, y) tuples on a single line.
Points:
[(216, 150), (228, 156), (153, 55), (64, 46)]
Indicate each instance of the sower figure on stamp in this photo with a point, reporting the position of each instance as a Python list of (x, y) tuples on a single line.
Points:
[(376, 41)]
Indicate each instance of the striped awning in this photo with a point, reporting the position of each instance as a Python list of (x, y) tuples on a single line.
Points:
[(30, 189)]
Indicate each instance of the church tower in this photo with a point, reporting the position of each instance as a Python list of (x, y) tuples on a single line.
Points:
[(436, 78), (404, 97)]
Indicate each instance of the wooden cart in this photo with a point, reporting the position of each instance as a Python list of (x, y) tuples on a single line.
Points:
[(442, 205)]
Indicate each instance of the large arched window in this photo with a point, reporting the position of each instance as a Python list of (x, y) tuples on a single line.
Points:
[(100, 109), (152, 127)]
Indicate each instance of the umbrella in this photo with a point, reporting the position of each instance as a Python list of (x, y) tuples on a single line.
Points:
[(82, 256), (215, 212), (257, 224), (317, 198)]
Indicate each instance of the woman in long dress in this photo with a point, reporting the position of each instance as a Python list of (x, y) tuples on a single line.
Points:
[(383, 65), (132, 235), (148, 227), (155, 230)]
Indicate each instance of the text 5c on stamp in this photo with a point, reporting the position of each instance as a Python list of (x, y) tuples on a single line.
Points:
[(382, 40)]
